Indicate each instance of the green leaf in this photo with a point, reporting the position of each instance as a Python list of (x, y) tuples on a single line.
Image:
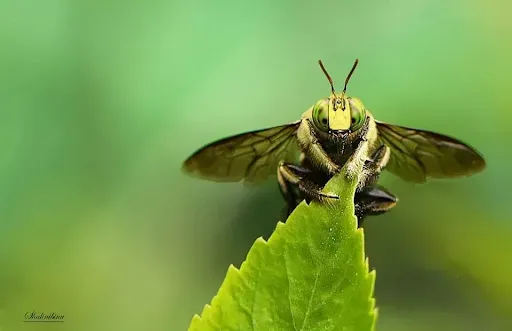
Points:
[(311, 274)]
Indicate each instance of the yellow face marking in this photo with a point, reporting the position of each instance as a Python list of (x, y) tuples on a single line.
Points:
[(339, 119)]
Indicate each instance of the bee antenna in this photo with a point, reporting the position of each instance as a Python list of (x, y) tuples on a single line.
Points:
[(350, 75), (326, 75)]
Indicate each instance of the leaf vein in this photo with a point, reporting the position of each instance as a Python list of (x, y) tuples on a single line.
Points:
[(306, 315)]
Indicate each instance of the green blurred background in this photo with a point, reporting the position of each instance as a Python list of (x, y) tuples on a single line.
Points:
[(101, 101)]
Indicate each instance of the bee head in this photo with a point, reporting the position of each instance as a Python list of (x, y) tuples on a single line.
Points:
[(338, 114)]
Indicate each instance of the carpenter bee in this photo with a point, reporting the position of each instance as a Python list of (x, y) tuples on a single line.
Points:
[(336, 131)]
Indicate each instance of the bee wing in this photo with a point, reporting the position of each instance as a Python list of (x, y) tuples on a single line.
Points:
[(417, 155), (251, 157)]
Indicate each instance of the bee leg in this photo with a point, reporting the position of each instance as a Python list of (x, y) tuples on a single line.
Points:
[(373, 200), (357, 159), (289, 193), (295, 175), (373, 167), (311, 146)]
